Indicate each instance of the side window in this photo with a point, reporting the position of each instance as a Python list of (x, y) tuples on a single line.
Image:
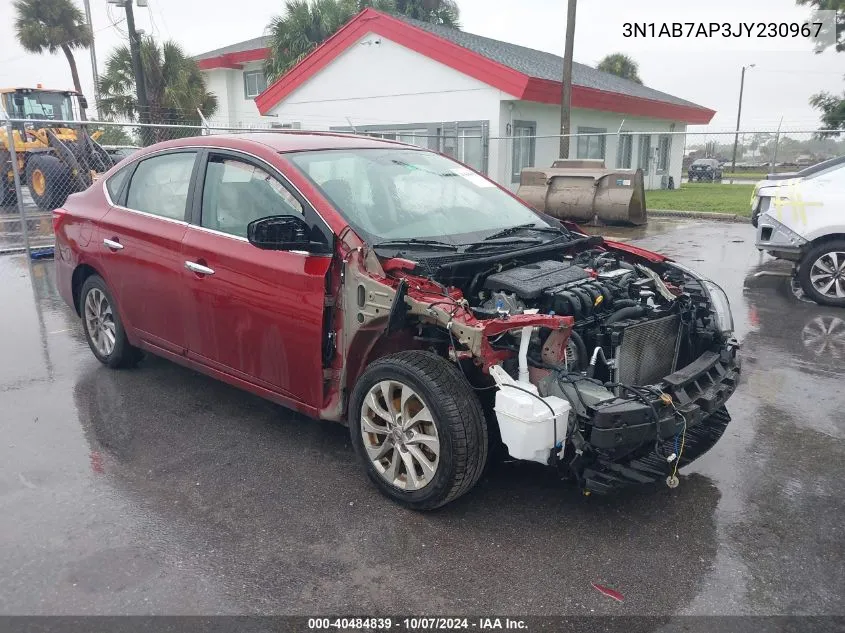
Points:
[(115, 183), (160, 185), (235, 193)]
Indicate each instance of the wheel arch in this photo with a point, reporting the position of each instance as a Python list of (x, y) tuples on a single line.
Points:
[(367, 347), (80, 274), (828, 237)]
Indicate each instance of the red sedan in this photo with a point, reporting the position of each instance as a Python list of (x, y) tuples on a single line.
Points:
[(386, 286)]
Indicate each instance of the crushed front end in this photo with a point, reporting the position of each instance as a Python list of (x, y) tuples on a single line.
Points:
[(639, 347)]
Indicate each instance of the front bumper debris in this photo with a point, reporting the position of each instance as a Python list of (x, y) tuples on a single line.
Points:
[(629, 447)]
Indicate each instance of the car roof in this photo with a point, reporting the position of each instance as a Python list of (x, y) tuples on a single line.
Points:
[(289, 141)]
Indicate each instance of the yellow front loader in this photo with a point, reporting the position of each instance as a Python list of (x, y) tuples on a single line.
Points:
[(56, 154)]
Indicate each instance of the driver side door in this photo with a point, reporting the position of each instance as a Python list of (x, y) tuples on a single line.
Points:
[(256, 315)]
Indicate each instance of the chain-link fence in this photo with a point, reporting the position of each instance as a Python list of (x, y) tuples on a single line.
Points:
[(45, 161)]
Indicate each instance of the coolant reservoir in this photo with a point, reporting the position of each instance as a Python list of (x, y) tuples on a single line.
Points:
[(525, 422)]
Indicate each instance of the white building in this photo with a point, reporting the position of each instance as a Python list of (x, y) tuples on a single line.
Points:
[(235, 74), (493, 105)]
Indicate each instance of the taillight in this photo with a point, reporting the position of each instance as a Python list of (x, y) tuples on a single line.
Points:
[(58, 218)]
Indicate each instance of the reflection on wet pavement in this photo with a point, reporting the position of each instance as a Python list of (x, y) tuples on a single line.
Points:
[(158, 490)]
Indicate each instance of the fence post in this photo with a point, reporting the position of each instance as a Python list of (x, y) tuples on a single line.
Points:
[(18, 187)]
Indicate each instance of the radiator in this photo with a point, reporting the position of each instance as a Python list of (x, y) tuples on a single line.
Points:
[(648, 352)]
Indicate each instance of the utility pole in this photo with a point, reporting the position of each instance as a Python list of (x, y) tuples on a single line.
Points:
[(566, 95), (138, 69), (91, 50), (738, 116)]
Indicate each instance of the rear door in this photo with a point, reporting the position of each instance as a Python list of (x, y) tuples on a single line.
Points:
[(141, 241), (255, 314)]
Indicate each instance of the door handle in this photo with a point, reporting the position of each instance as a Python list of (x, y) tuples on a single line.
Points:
[(113, 245), (198, 268)]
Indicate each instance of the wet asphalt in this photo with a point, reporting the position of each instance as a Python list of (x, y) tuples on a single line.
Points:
[(160, 491)]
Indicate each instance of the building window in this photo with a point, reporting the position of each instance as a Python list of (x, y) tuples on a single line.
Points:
[(664, 148), (411, 137), (254, 83), (644, 153), (464, 140), (524, 145), (590, 142), (624, 151), (471, 147)]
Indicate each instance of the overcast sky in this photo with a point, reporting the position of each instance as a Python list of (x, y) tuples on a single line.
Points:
[(700, 70)]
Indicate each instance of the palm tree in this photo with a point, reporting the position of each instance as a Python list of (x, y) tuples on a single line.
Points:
[(50, 25), (620, 65), (175, 87), (305, 24), (443, 12)]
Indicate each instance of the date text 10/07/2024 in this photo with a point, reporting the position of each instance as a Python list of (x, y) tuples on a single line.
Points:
[(416, 624), (722, 29)]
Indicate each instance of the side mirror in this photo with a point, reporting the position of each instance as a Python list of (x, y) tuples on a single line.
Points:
[(283, 233), (83, 102)]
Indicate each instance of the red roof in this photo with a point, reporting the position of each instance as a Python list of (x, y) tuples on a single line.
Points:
[(434, 43)]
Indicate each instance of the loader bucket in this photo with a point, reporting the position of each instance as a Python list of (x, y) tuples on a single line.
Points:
[(585, 191)]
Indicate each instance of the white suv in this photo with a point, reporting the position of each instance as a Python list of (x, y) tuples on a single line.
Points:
[(801, 217)]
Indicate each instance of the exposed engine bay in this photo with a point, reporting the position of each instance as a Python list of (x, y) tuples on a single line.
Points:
[(639, 350)]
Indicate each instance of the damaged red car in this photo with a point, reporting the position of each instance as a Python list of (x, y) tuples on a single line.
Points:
[(395, 290)]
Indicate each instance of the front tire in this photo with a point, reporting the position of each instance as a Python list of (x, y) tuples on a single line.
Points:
[(822, 273), (419, 429), (103, 327)]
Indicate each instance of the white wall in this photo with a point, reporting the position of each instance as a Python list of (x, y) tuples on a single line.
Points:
[(379, 82), (547, 118), (233, 109)]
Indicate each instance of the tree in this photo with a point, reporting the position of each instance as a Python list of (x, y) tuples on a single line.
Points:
[(114, 135), (620, 65), (832, 107), (830, 5), (443, 12), (51, 25), (305, 24), (833, 111), (175, 87)]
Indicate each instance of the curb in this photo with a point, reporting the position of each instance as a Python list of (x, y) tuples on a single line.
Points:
[(699, 215)]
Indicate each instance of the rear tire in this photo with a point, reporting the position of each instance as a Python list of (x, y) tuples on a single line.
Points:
[(822, 273), (103, 326), (49, 181), (423, 386)]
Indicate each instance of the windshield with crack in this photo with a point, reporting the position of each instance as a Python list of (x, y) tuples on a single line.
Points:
[(402, 194)]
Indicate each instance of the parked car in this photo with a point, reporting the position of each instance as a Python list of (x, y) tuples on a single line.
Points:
[(799, 217), (365, 281), (705, 169), (119, 152)]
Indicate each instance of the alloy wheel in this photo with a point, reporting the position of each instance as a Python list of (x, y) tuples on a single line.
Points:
[(399, 435), (827, 274), (99, 321)]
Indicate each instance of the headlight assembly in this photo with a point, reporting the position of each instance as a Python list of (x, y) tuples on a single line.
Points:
[(721, 307)]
